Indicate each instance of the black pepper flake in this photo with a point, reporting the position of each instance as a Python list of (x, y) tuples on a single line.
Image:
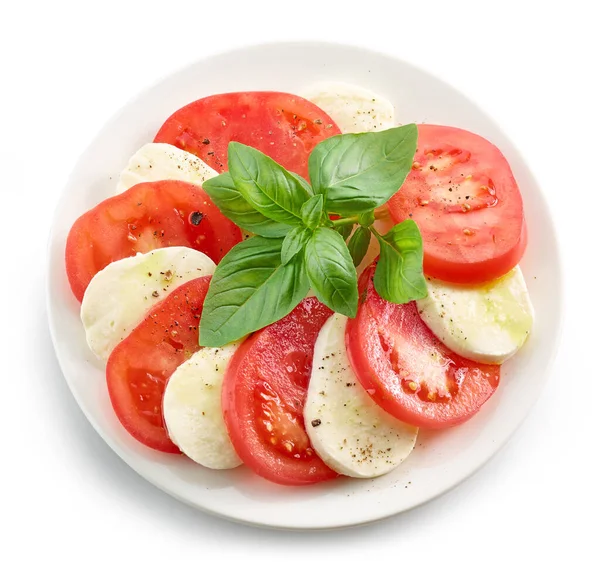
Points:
[(196, 217), (315, 423), (155, 294), (210, 153), (206, 141)]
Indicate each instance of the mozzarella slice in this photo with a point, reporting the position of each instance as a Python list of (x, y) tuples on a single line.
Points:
[(192, 409), (120, 295), (354, 109), (350, 433), (159, 161), (486, 323)]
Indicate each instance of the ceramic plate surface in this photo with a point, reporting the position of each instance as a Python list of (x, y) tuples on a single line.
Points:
[(441, 459)]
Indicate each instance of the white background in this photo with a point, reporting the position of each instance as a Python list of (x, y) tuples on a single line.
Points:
[(67, 501)]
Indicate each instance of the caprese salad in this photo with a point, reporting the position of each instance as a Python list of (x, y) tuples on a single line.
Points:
[(298, 284)]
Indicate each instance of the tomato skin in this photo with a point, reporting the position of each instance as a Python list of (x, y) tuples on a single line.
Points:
[(463, 196), (139, 368), (284, 126), (265, 387), (145, 217), (389, 347)]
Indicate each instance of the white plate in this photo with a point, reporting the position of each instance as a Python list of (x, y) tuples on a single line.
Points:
[(441, 459)]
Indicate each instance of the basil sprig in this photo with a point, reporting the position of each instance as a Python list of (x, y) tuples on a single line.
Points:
[(302, 232), (357, 172), (232, 204), (251, 288), (399, 273), (331, 271), (359, 244)]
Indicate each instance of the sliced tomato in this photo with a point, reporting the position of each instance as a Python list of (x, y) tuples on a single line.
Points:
[(145, 217), (285, 127), (139, 368), (264, 391), (407, 370), (463, 196)]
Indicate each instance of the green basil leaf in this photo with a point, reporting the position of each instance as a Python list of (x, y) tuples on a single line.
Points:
[(266, 185), (367, 219), (232, 204), (303, 182), (359, 244), (312, 211), (345, 230), (293, 243), (399, 273), (251, 289), (360, 171), (331, 272)]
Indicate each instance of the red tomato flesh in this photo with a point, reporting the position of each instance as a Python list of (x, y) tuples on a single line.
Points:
[(145, 217), (140, 366), (463, 196), (285, 127), (407, 370), (264, 393)]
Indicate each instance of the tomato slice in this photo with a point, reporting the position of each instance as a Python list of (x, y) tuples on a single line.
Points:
[(264, 391), (407, 370), (463, 196), (145, 217), (285, 127), (139, 368)]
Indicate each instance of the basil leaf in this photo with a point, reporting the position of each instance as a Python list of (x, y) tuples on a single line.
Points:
[(331, 272), (399, 273), (312, 211), (251, 289), (360, 171), (232, 204), (367, 219), (293, 243), (345, 230), (359, 244), (303, 183), (266, 185)]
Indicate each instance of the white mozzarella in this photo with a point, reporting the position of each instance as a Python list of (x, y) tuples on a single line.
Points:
[(158, 161), (120, 295), (486, 323), (353, 108), (347, 429), (192, 409)]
